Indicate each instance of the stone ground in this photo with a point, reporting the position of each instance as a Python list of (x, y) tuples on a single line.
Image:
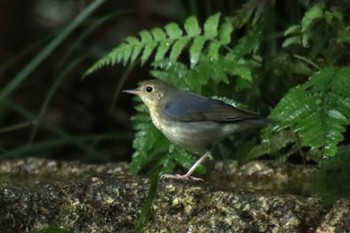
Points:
[(37, 194)]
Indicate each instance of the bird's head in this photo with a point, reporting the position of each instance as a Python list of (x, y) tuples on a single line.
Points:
[(152, 92)]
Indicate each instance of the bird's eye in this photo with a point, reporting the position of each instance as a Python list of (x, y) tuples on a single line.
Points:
[(149, 89)]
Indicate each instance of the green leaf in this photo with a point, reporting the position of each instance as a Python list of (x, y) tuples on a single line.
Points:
[(321, 130), (213, 51), (343, 36), (132, 40), (292, 106), (331, 79), (293, 40), (173, 30), (244, 72), (332, 16), (294, 29), (169, 70), (211, 26), (191, 26), (158, 34), (318, 111), (311, 15), (272, 142), (164, 45), (341, 82), (127, 52), (135, 52), (146, 36), (225, 33), (247, 44), (161, 50), (196, 50), (170, 42), (148, 51), (177, 48)]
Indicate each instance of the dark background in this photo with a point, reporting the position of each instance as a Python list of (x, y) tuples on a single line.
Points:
[(89, 106), (78, 107)]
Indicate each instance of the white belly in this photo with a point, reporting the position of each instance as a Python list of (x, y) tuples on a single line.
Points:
[(194, 136)]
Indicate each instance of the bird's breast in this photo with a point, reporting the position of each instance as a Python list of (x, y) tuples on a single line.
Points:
[(194, 136)]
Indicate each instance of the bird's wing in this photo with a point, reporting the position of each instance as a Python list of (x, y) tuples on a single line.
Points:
[(190, 107)]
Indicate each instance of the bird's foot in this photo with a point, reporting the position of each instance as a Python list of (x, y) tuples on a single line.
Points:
[(180, 177)]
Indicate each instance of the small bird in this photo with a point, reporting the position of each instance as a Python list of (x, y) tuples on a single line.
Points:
[(190, 121)]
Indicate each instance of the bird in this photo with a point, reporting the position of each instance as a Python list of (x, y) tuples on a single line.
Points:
[(191, 121)]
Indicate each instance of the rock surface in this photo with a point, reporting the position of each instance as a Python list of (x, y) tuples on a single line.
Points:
[(103, 198), (338, 219)]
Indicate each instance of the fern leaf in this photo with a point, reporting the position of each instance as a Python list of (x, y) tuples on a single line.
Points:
[(322, 129), (162, 49), (158, 34), (218, 70), (213, 50), (146, 36), (211, 26), (137, 48), (311, 15), (318, 110), (248, 43), (293, 36), (291, 107), (244, 72), (292, 30), (170, 42), (164, 45), (341, 84), (149, 47), (272, 143), (293, 40), (191, 26), (225, 33), (177, 48), (196, 50), (173, 30), (344, 37)]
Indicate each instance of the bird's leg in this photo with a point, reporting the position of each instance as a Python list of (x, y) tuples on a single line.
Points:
[(188, 176)]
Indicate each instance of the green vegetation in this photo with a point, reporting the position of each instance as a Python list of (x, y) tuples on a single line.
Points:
[(287, 60), (333, 177), (297, 68)]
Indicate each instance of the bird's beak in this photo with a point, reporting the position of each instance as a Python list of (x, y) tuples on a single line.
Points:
[(133, 91)]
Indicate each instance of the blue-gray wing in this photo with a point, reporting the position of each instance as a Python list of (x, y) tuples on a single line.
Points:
[(186, 106)]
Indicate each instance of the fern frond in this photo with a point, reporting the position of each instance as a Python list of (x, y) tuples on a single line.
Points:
[(304, 33), (318, 111), (170, 42), (219, 70), (272, 142)]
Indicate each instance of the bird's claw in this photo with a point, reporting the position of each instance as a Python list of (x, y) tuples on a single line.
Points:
[(180, 177)]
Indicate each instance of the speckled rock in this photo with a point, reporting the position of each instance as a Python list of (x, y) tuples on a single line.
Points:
[(36, 194), (264, 175), (113, 203), (193, 207), (81, 204), (46, 168), (338, 219)]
